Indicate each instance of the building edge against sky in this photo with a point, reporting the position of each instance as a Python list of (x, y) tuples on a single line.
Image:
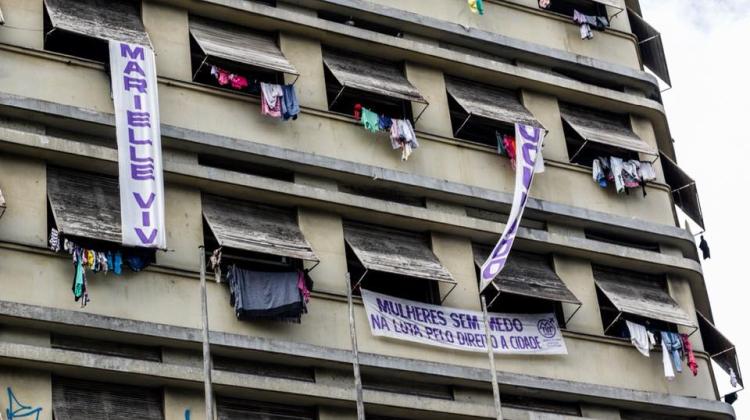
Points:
[(323, 195)]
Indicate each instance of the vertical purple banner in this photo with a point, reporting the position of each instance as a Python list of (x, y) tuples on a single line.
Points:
[(136, 103), (528, 161)]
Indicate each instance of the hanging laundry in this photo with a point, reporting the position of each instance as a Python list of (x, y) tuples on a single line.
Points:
[(265, 295), (403, 137), (357, 112), (54, 240), (642, 339), (117, 263), (500, 146), (705, 250), (673, 343), (598, 173), (270, 99), (137, 258), (581, 20), (646, 172), (370, 120), (544, 3), (238, 82), (688, 346), (630, 174), (615, 165), (302, 286), (509, 143), (476, 6), (289, 103), (385, 122), (733, 378), (666, 361)]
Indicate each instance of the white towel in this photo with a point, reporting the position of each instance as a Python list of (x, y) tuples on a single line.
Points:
[(667, 362), (271, 93), (639, 336)]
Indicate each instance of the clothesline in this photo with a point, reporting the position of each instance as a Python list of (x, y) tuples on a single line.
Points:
[(401, 130), (622, 173)]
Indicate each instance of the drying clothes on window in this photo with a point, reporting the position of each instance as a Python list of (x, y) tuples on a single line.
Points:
[(615, 165), (705, 250), (642, 339), (599, 173), (54, 240), (289, 103), (509, 143), (733, 378), (476, 6), (646, 172), (403, 137), (544, 3), (500, 146), (688, 346), (302, 286), (587, 22), (666, 360), (270, 99), (265, 295), (357, 114), (137, 259), (630, 173), (385, 122), (673, 343), (215, 262), (223, 77), (370, 120)]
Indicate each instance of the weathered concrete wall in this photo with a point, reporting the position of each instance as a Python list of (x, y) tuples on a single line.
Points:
[(24, 185)]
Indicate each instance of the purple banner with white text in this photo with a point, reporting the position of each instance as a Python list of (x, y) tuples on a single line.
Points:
[(136, 103), (460, 329), (528, 162)]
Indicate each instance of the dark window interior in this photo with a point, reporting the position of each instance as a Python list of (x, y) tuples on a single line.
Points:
[(477, 129), (109, 348), (402, 386), (541, 405), (517, 304), (77, 45), (271, 3), (586, 155), (587, 7), (420, 290), (359, 23), (254, 367), (591, 80), (494, 216), (613, 238), (250, 168), (380, 104), (236, 409), (201, 67), (384, 194), (255, 261)]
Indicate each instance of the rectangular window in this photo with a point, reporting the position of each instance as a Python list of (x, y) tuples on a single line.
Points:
[(622, 240), (109, 348), (359, 23), (566, 7), (74, 399)]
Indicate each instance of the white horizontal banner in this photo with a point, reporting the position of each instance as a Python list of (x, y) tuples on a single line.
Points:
[(460, 329)]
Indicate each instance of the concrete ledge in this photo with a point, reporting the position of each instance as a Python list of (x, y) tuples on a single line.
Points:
[(32, 316)]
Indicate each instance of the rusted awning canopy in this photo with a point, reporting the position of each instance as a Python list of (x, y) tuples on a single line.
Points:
[(238, 44), (101, 19), (604, 129), (637, 295), (718, 346), (684, 190), (528, 274), (395, 252), (370, 75), (489, 102), (246, 226), (85, 205), (650, 45)]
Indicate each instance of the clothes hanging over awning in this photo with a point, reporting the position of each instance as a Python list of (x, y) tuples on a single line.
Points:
[(251, 227), (684, 190), (101, 19), (718, 346), (603, 129), (489, 102), (370, 75), (635, 294), (238, 44), (74, 399), (650, 45), (395, 252), (528, 274), (85, 205)]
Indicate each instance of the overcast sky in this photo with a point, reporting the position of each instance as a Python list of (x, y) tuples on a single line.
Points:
[(708, 51)]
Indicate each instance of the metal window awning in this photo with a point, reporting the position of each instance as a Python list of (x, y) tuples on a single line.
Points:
[(718, 346), (85, 205), (395, 252), (371, 75), (101, 19), (239, 45), (684, 190), (613, 4), (74, 399), (528, 274), (236, 409), (634, 294), (603, 129), (253, 227), (650, 45), (489, 102)]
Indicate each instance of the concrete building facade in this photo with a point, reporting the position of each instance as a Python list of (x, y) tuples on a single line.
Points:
[(136, 346)]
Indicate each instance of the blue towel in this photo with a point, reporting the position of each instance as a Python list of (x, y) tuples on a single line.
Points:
[(289, 103), (673, 342)]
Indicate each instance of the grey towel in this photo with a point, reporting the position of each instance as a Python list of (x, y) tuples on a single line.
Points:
[(258, 294)]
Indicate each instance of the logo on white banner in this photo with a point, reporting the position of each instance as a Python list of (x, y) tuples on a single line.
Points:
[(134, 90)]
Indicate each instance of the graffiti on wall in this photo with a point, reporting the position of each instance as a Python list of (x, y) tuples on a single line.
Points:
[(16, 410)]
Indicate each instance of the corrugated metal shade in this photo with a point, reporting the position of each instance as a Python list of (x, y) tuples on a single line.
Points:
[(371, 75), (101, 19), (721, 350), (74, 399), (529, 275), (489, 102), (85, 205), (235, 409), (651, 46), (684, 190), (395, 252), (238, 44), (632, 294), (603, 129), (256, 228)]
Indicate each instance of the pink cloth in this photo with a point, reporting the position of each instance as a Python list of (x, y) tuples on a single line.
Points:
[(223, 76), (302, 286), (509, 142), (238, 82)]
